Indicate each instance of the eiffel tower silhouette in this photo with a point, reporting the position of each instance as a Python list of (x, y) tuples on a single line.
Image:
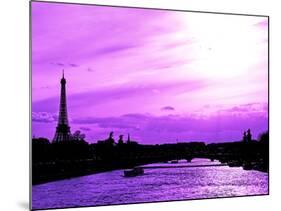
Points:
[(62, 130)]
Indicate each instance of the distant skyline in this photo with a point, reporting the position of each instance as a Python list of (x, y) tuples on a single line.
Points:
[(162, 76)]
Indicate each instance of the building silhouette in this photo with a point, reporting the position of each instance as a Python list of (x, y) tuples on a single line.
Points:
[(129, 138), (244, 137), (62, 130), (249, 135)]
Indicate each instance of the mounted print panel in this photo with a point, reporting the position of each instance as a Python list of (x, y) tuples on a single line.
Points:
[(134, 105)]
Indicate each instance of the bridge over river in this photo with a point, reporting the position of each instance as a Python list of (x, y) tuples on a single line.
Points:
[(181, 166)]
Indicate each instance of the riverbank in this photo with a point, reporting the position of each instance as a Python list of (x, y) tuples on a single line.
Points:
[(54, 171), (62, 160)]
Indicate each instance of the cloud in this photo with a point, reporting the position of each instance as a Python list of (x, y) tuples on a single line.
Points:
[(247, 108), (151, 129), (167, 108), (125, 92), (73, 65), (123, 122), (239, 109), (99, 35), (113, 49), (90, 69), (44, 117), (59, 64), (137, 116), (159, 129), (85, 128)]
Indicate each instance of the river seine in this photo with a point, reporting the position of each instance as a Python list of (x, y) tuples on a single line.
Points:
[(159, 184)]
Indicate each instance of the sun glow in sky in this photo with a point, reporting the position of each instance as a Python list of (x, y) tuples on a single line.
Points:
[(162, 76)]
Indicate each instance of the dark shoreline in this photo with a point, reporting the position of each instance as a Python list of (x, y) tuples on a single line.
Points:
[(54, 178), (69, 170), (65, 160), (70, 175)]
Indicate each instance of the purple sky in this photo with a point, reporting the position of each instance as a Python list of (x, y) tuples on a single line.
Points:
[(162, 76)]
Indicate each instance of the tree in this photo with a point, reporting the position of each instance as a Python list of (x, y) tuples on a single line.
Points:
[(78, 136), (264, 137)]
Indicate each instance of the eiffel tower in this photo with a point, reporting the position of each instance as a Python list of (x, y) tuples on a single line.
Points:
[(62, 129)]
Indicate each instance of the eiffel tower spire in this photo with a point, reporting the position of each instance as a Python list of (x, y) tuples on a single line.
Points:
[(62, 129)]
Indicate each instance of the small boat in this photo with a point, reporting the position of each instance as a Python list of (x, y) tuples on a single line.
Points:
[(174, 161), (133, 172)]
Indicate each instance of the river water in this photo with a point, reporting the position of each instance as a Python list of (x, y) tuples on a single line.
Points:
[(160, 184)]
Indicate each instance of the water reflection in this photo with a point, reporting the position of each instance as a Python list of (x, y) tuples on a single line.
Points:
[(155, 185)]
